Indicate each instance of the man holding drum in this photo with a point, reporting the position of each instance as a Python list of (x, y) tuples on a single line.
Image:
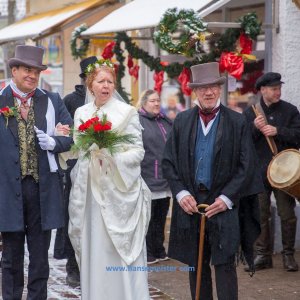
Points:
[(279, 121)]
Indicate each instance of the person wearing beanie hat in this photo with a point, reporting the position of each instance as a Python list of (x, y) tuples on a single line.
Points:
[(63, 247), (209, 159), (282, 123), (31, 202)]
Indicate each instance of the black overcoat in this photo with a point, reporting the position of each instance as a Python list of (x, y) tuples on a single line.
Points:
[(50, 184), (286, 118), (234, 175)]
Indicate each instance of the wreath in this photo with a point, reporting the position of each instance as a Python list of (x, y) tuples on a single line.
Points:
[(188, 23), (79, 52)]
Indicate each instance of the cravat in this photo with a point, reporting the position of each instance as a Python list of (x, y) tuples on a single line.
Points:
[(24, 107), (207, 116)]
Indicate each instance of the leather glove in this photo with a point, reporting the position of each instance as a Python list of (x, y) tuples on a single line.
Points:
[(46, 142)]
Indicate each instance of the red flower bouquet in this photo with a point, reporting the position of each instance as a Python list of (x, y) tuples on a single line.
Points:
[(8, 112), (98, 131)]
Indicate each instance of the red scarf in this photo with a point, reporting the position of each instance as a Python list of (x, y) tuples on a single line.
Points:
[(23, 99), (207, 116)]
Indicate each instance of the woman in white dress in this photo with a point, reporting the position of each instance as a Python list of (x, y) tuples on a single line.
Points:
[(109, 202)]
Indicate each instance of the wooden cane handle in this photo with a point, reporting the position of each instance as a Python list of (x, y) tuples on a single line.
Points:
[(202, 206)]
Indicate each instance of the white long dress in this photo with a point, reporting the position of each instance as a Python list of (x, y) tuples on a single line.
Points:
[(109, 212)]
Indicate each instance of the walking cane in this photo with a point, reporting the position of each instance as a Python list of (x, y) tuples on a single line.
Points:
[(200, 252)]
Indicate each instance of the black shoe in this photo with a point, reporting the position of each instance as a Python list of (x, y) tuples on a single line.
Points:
[(151, 260), (261, 262), (289, 263), (73, 280)]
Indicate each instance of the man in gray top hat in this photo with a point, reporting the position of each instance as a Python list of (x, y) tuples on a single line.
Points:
[(209, 159), (31, 201)]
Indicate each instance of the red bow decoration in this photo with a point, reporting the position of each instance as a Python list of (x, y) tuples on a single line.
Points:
[(133, 70), (116, 67), (245, 44), (130, 63), (159, 80), (184, 79), (107, 52), (232, 63)]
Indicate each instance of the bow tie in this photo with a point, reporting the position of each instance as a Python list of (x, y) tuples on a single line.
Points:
[(207, 116), (23, 99)]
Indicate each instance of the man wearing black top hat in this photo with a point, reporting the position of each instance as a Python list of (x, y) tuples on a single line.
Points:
[(283, 125), (31, 199), (63, 247)]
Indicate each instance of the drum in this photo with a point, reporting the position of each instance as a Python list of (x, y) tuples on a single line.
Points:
[(284, 172)]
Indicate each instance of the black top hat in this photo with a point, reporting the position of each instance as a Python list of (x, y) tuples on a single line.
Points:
[(30, 56), (268, 79), (85, 62)]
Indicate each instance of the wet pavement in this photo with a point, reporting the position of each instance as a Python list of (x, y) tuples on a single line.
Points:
[(169, 280)]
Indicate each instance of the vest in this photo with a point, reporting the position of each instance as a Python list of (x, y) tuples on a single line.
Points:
[(204, 153), (28, 155)]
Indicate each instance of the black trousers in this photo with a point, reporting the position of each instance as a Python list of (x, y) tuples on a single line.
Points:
[(156, 232), (38, 242), (63, 247), (225, 276)]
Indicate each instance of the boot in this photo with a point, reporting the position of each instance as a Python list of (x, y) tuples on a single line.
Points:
[(288, 233), (289, 262), (263, 249), (261, 262), (73, 276)]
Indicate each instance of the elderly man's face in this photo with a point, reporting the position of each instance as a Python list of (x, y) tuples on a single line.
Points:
[(271, 94), (26, 78), (208, 96)]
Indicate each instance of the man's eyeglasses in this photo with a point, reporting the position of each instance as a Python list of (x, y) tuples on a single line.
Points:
[(203, 89)]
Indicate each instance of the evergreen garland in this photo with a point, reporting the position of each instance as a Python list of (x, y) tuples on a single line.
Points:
[(79, 52), (190, 25), (224, 43)]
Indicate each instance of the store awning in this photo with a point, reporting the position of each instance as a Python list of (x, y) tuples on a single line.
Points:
[(141, 14), (43, 24)]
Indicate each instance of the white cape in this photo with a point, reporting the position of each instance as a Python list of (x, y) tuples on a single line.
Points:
[(116, 185)]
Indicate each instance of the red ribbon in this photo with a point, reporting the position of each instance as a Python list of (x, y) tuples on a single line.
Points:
[(134, 72), (159, 80), (130, 63), (245, 44), (232, 63), (107, 52), (184, 79)]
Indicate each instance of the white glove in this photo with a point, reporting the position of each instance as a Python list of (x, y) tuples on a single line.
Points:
[(46, 142)]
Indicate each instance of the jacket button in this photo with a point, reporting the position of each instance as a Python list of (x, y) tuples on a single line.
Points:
[(17, 178), (18, 194), (16, 162)]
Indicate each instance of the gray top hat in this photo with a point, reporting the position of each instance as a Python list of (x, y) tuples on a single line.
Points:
[(206, 74), (30, 56)]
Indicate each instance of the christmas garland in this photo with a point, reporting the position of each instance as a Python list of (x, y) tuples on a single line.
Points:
[(219, 44), (79, 52), (188, 22)]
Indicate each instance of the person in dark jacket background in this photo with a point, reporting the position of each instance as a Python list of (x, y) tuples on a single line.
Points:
[(63, 247), (156, 127), (283, 120)]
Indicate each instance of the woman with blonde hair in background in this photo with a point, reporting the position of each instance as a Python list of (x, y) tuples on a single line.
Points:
[(156, 127)]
